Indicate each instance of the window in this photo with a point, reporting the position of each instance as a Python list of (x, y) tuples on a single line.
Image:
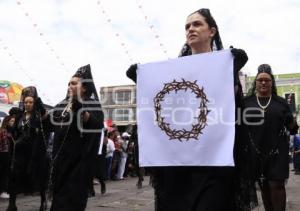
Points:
[(106, 98), (108, 113), (123, 114), (123, 97)]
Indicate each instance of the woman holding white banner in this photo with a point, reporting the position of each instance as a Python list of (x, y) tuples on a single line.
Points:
[(268, 118), (198, 188)]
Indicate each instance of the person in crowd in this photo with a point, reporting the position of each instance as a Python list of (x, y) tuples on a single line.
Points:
[(129, 166), (268, 118), (110, 149), (130, 163), (296, 154), (76, 122), (29, 162), (139, 171), (100, 165), (201, 188), (123, 158), (6, 140), (117, 154)]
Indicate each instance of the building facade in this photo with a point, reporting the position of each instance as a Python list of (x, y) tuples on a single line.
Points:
[(119, 104)]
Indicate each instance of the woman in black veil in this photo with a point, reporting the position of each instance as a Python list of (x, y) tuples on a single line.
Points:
[(29, 161), (269, 118), (76, 122)]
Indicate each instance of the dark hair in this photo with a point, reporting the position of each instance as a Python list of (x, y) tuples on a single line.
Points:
[(264, 68), (87, 93), (111, 134), (15, 111), (85, 75), (6, 121), (216, 42), (84, 84)]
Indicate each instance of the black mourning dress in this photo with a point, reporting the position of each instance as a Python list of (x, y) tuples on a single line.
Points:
[(29, 161), (270, 141), (209, 188), (74, 153)]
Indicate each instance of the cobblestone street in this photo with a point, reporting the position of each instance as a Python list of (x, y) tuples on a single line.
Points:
[(124, 196)]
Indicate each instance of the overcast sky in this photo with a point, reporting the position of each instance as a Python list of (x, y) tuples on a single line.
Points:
[(43, 42)]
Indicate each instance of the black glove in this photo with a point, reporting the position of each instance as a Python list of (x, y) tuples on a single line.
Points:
[(240, 58), (131, 72), (40, 106)]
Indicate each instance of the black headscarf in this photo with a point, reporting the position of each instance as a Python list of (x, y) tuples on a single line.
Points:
[(264, 68), (85, 74), (28, 91)]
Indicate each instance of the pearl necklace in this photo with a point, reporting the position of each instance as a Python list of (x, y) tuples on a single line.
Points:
[(261, 106)]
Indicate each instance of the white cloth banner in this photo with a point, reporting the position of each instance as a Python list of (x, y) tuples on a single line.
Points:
[(186, 111)]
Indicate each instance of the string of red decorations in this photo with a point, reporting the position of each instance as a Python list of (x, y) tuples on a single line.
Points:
[(42, 35), (152, 28), (20, 67), (117, 35)]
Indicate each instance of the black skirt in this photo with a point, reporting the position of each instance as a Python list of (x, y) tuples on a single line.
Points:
[(193, 188)]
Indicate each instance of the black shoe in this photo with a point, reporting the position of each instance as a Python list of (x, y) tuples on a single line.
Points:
[(12, 208), (103, 188), (139, 184), (43, 207), (151, 182), (91, 193)]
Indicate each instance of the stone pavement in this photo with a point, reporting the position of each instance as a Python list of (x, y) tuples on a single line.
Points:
[(121, 195), (293, 194), (124, 196)]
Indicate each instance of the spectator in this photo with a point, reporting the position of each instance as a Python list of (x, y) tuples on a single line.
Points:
[(296, 156), (110, 149), (6, 140)]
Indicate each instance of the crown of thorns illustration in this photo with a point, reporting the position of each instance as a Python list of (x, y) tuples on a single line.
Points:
[(200, 124)]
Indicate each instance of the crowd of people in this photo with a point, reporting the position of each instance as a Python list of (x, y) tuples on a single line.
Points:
[(83, 151), (59, 153)]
